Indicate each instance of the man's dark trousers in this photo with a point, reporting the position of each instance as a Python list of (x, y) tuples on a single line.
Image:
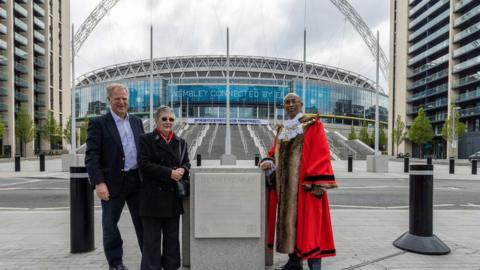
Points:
[(111, 211)]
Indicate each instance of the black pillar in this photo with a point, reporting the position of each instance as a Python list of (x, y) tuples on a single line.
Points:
[(406, 164), (451, 165), (257, 159), (42, 162), (420, 237), (82, 232), (474, 166), (199, 160), (429, 160), (350, 163), (17, 163)]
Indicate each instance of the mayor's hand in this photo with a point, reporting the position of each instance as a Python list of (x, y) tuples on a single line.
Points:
[(102, 191), (176, 175)]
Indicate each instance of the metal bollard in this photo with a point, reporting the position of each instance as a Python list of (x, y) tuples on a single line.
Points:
[(429, 161), (42, 162), (199, 160), (406, 164), (420, 237), (82, 234), (350, 163), (17, 163), (257, 159), (474, 166), (451, 165)]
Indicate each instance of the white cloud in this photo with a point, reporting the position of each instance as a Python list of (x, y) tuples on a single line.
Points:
[(257, 27)]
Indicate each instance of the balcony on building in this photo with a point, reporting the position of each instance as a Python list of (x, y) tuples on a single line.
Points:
[(21, 82), (441, 33), (467, 16), (19, 10), (431, 78), (21, 53), (472, 62), (460, 5), (429, 93), (3, 13), (38, 62), (39, 89), (422, 6), (39, 102), (3, 107), (38, 10), (20, 25), (39, 49), (469, 96), (39, 75), (442, 46), (442, 18), (40, 115), (428, 66), (21, 97), (38, 36), (21, 68), (3, 91), (21, 39), (3, 29), (39, 24), (467, 80), (432, 12), (437, 104), (3, 75), (469, 112)]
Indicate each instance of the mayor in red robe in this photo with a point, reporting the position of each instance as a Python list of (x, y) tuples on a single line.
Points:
[(300, 173)]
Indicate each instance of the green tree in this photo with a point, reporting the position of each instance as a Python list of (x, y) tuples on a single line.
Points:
[(83, 131), (352, 135), (421, 131), (24, 129), (399, 134), (2, 129), (67, 131), (382, 141), (51, 130), (453, 128), (363, 134)]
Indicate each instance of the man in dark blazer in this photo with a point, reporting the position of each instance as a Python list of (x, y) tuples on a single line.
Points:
[(111, 161)]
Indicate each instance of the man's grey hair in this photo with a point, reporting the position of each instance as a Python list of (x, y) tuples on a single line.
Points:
[(111, 87), (163, 109), (291, 94)]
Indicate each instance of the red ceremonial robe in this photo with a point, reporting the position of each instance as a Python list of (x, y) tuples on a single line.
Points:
[(305, 228)]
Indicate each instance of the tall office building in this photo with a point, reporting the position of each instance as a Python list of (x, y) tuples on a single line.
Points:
[(435, 64), (34, 66)]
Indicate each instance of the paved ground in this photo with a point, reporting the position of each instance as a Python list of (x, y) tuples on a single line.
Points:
[(364, 232)]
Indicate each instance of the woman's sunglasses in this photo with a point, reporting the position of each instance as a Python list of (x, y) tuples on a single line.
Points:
[(170, 119)]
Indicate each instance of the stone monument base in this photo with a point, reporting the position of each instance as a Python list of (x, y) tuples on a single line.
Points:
[(377, 163)]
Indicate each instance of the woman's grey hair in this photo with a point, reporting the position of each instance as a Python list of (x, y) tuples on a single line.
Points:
[(114, 86), (163, 109)]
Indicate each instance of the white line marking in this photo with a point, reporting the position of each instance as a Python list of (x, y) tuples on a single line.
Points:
[(39, 188), (471, 205), (19, 183)]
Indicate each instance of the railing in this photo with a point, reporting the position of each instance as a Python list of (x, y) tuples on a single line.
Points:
[(467, 16), (212, 140), (198, 141), (256, 140), (428, 79), (467, 80), (469, 95), (470, 111), (245, 148), (430, 92)]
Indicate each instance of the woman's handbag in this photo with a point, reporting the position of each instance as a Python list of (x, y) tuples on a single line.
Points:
[(183, 185)]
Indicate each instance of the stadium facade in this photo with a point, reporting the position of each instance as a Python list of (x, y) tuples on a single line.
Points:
[(195, 87)]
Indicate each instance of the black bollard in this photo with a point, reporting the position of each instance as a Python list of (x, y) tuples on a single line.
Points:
[(451, 165), (42, 162), (257, 159), (350, 163), (199, 160), (429, 160), (82, 234), (420, 237), (17, 163), (474, 166), (406, 164)]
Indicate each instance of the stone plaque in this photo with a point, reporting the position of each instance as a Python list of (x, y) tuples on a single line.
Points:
[(227, 207)]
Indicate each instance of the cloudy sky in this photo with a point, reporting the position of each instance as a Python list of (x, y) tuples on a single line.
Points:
[(257, 27)]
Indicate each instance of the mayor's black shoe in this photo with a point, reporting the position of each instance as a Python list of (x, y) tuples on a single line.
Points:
[(118, 267), (292, 265)]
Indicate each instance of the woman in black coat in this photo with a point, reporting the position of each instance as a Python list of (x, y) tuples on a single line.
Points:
[(163, 160)]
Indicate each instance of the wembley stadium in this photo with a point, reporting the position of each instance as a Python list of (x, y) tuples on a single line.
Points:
[(195, 87)]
